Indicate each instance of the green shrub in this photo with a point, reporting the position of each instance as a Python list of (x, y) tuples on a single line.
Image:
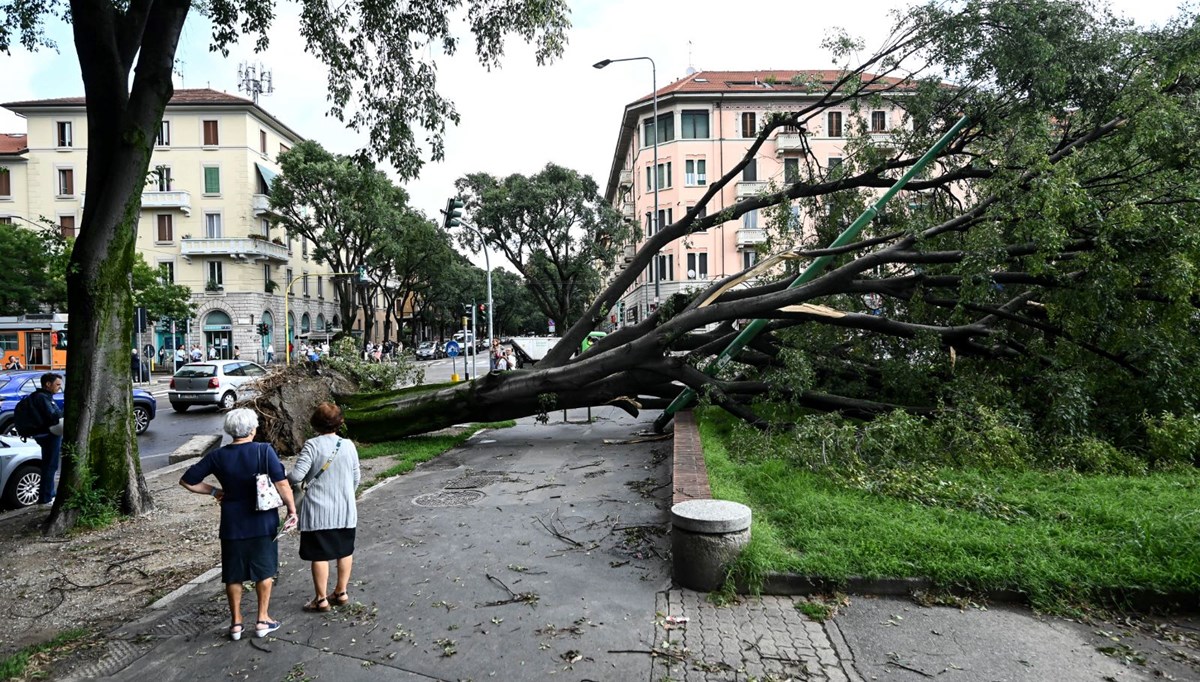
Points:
[(372, 376), (1172, 441), (1095, 456)]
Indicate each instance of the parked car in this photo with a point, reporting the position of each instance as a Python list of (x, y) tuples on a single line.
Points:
[(17, 384), (20, 471), (428, 350), (215, 382)]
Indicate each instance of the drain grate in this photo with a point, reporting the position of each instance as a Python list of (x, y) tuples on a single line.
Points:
[(448, 498), (191, 621), (120, 654), (476, 479)]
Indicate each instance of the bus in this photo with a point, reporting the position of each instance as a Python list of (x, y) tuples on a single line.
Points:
[(38, 340)]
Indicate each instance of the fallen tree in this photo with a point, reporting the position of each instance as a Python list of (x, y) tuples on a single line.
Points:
[(1046, 262)]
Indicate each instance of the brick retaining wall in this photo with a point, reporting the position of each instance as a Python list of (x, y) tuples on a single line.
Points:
[(689, 477)]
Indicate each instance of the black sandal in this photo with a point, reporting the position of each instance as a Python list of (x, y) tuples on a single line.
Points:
[(319, 605), (340, 598)]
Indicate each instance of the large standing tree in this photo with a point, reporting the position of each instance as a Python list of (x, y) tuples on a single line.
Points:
[(411, 259), (555, 229), (1046, 261), (379, 81)]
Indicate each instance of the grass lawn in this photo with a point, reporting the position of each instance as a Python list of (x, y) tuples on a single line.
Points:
[(409, 452), (1063, 538)]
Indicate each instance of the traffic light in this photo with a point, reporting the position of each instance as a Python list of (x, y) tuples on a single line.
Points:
[(483, 308), (453, 212), (263, 329)]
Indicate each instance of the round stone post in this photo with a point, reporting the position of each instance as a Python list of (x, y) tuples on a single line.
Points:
[(706, 536)]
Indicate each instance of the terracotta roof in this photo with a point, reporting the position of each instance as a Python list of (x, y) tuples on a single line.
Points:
[(764, 81), (181, 96), (13, 143)]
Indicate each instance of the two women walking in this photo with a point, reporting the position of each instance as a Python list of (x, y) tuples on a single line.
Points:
[(327, 469)]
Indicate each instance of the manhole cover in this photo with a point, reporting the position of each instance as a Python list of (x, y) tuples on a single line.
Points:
[(448, 498)]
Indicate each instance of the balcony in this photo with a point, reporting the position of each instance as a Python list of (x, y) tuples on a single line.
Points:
[(628, 252), (260, 204), (750, 188), (789, 142), (156, 200), (628, 211), (750, 237), (625, 178), (247, 249)]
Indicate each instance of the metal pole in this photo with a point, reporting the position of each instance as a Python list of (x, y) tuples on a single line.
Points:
[(473, 342), (654, 273), (488, 263), (753, 329)]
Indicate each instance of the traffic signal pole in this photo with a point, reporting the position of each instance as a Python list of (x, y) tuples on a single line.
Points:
[(287, 297), (453, 218)]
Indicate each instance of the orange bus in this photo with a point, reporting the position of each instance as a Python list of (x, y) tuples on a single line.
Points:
[(38, 340)]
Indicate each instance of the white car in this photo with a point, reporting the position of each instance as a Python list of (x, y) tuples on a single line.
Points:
[(20, 471), (215, 382)]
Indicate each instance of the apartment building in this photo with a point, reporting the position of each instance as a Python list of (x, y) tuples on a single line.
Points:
[(706, 123), (203, 221)]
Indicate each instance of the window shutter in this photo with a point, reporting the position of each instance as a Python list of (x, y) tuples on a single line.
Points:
[(5, 183), (212, 180), (164, 228)]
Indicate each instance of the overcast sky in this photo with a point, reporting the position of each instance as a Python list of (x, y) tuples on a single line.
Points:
[(523, 116)]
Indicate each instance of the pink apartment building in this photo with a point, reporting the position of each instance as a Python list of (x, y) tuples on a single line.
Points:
[(706, 123)]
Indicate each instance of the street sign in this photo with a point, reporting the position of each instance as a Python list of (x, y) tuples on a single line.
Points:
[(452, 348), (551, 325)]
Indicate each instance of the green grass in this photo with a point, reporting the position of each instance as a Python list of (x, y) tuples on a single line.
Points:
[(1062, 538), (409, 452), (16, 664)]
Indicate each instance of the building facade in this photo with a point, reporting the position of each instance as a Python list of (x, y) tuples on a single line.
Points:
[(706, 123), (203, 221)]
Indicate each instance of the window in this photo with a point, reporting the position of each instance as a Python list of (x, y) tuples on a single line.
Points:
[(166, 230), (791, 170), (694, 173), (5, 182), (304, 247), (649, 179), (262, 141), (66, 225), (665, 130), (878, 121), (666, 269), (834, 162), (212, 136), (64, 134), (693, 125), (291, 245), (267, 277), (649, 223), (9, 341), (834, 124), (266, 227), (664, 175), (288, 276), (749, 258), (304, 284), (164, 134), (750, 172), (700, 214), (750, 220), (164, 178), (212, 179), (320, 289), (5, 220), (66, 182), (212, 225), (215, 276), (664, 218), (697, 265), (166, 272), (283, 148), (749, 124)]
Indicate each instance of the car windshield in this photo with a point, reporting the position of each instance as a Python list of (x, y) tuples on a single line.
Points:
[(197, 371)]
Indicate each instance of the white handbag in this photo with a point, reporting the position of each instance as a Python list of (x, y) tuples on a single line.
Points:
[(267, 497)]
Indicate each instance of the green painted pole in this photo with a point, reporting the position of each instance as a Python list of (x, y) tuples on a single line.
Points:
[(752, 330)]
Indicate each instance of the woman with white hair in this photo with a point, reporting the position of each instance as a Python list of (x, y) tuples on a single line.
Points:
[(249, 549)]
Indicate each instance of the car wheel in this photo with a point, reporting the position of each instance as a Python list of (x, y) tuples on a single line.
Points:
[(9, 429), (141, 418), (180, 407), (228, 400), (23, 486)]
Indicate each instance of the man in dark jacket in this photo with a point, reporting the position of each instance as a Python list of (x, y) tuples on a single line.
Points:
[(48, 415)]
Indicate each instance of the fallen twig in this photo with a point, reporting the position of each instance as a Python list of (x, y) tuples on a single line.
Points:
[(122, 562), (908, 668), (529, 598), (593, 464), (654, 653), (555, 533), (539, 487)]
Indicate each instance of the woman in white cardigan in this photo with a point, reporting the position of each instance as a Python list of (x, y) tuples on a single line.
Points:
[(328, 512)]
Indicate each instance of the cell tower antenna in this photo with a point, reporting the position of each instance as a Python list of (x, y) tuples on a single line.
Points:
[(255, 80), (690, 69)]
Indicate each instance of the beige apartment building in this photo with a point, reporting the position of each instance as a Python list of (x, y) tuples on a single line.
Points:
[(203, 218), (706, 123)]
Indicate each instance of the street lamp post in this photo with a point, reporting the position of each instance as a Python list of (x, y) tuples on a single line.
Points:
[(287, 291), (654, 274)]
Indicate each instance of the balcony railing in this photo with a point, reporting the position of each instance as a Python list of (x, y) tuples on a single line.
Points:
[(750, 188), (253, 249), (751, 236), (625, 178), (156, 200), (628, 210), (789, 142), (628, 252), (260, 203)]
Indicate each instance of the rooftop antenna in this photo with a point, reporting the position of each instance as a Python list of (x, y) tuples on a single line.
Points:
[(255, 80), (690, 69)]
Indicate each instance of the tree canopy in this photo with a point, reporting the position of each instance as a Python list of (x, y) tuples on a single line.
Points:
[(555, 229), (1043, 267)]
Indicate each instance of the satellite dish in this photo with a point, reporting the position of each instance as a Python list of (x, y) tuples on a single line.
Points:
[(691, 274)]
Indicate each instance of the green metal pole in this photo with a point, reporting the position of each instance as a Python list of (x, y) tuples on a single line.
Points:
[(752, 330)]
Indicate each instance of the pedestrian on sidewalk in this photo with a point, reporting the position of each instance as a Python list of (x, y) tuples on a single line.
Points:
[(249, 545), (36, 416), (327, 469)]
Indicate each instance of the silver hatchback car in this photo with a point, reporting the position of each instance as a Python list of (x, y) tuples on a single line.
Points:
[(216, 382), (20, 471)]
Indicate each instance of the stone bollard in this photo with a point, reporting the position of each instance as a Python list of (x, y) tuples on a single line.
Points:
[(706, 536)]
